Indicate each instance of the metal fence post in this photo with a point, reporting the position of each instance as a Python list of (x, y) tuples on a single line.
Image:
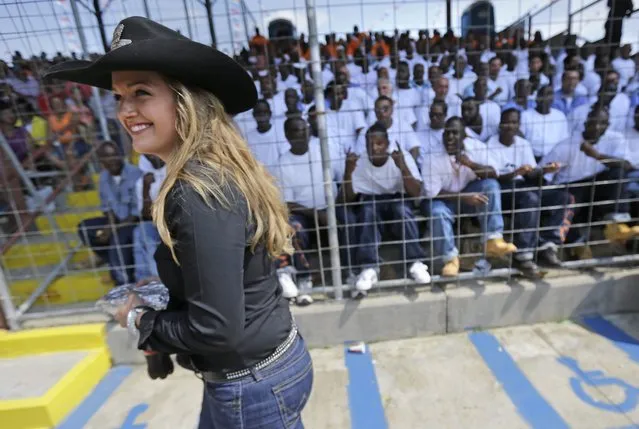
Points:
[(333, 241), (188, 20), (147, 13), (85, 52), (228, 18), (6, 303)]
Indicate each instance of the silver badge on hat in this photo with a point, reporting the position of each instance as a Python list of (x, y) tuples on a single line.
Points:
[(117, 42)]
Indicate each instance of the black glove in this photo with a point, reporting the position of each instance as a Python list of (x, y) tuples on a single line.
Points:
[(158, 365)]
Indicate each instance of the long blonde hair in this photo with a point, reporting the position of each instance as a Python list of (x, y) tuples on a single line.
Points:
[(221, 156)]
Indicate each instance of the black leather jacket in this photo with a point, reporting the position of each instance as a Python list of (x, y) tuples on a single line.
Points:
[(226, 309)]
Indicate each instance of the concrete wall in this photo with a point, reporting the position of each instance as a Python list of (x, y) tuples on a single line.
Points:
[(439, 310)]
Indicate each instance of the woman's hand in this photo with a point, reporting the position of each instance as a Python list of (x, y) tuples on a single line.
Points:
[(123, 311)]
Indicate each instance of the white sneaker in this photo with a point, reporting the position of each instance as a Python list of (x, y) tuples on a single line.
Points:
[(366, 279), (289, 289), (304, 297), (419, 272)]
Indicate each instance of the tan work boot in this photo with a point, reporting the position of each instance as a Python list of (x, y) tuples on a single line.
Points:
[(620, 232), (497, 247), (451, 268)]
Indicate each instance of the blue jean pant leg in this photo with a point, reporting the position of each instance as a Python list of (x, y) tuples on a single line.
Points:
[(442, 218), (489, 215), (273, 399), (145, 242), (404, 227), (87, 230), (556, 221), (347, 231), (121, 254), (526, 203), (633, 185), (369, 220)]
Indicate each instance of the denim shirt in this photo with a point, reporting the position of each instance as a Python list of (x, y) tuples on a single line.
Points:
[(120, 198), (560, 103)]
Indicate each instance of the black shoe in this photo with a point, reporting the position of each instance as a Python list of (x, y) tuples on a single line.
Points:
[(550, 257), (529, 269)]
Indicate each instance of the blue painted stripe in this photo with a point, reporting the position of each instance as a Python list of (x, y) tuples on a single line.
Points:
[(364, 399), (616, 335), (528, 401), (92, 403)]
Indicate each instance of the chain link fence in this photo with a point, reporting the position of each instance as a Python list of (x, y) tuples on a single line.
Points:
[(414, 142)]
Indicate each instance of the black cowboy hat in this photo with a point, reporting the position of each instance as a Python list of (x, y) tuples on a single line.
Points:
[(141, 44)]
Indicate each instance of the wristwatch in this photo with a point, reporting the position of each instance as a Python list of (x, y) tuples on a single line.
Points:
[(131, 318)]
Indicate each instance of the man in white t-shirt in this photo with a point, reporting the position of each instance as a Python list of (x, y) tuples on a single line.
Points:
[(632, 141), (431, 137), (302, 183), (624, 65), (588, 159), (544, 126), (266, 138), (478, 126), (343, 122), (521, 180), (384, 180), (385, 88), (398, 132), (275, 99), (460, 178), (406, 97), (145, 235)]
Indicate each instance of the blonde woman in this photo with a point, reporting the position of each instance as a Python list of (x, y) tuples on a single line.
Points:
[(222, 223)]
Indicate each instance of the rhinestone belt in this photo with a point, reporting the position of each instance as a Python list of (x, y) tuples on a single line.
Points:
[(279, 351)]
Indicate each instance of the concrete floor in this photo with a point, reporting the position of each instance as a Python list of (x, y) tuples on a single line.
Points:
[(554, 375)]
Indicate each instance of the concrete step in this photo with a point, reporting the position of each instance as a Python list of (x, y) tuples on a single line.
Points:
[(46, 373), (83, 199)]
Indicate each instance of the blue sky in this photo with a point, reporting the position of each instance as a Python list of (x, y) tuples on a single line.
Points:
[(32, 26)]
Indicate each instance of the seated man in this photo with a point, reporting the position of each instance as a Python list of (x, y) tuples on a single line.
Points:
[(594, 165), (145, 236), (302, 183), (521, 179), (459, 180), (398, 132), (111, 236), (379, 179)]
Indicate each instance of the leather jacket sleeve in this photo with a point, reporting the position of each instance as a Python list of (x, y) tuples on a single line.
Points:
[(210, 242)]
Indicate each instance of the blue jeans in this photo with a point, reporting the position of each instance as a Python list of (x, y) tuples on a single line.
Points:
[(529, 205), (272, 397), (633, 186), (145, 242), (379, 212), (443, 212), (118, 252)]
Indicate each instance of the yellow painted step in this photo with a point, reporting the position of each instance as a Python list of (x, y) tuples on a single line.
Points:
[(41, 254), (83, 199), (75, 385), (83, 287), (67, 222), (50, 340)]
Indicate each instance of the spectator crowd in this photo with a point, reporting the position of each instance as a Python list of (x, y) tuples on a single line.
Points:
[(530, 144)]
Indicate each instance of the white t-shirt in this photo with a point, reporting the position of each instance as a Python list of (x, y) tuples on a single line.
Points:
[(457, 86), (544, 131), (617, 114), (384, 180), (576, 164), (506, 159), (159, 174), (301, 177), (441, 172), (406, 101), (269, 146), (632, 142)]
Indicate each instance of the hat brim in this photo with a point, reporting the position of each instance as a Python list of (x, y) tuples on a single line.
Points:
[(191, 63)]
